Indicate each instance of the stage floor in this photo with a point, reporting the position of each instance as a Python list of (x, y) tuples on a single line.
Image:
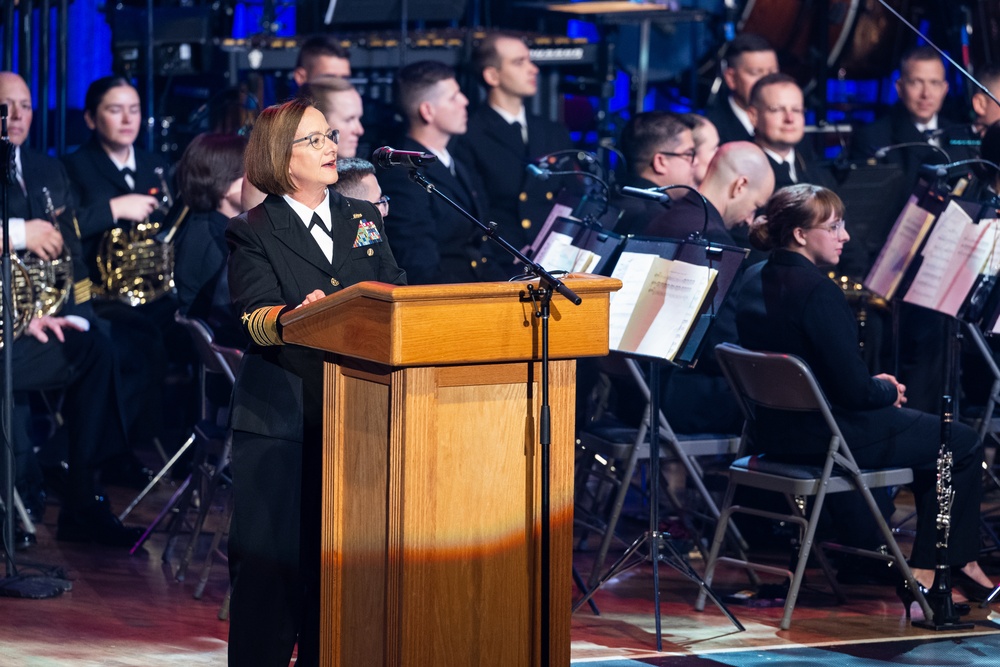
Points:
[(130, 611)]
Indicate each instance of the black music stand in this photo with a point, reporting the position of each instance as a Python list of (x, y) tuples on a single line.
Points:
[(654, 545), (13, 584), (932, 272)]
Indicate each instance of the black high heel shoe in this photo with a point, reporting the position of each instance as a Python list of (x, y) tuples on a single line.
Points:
[(973, 590), (907, 597)]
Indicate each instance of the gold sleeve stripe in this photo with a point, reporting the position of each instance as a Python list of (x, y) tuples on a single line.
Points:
[(262, 325), (82, 290)]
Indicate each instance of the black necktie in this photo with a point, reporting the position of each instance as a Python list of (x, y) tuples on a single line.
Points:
[(127, 175), (783, 172), (318, 222)]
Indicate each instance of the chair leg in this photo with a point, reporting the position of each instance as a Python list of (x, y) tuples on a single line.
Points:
[(720, 534), (616, 508)]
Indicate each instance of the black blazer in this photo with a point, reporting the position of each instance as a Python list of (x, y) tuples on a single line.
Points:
[(807, 170), (96, 181), (729, 126), (636, 213), (957, 139), (200, 254), (495, 150), (274, 262), (687, 216), (431, 241), (787, 304)]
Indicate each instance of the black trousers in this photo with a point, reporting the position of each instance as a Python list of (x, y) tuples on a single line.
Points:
[(914, 443), (888, 438), (274, 552), (84, 366)]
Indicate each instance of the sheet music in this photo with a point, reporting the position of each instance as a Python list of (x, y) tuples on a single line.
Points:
[(558, 211), (941, 258), (992, 241), (559, 254), (900, 248), (974, 250), (632, 269), (658, 302), (685, 290)]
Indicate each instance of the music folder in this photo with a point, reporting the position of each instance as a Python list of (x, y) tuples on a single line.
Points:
[(671, 292), (943, 254)]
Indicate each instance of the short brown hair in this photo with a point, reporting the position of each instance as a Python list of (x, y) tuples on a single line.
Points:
[(772, 79), (317, 91), (649, 132), (210, 163), (320, 45), (803, 205), (269, 150), (416, 80), (486, 54)]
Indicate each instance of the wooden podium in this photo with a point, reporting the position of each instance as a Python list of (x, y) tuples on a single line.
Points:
[(431, 510)]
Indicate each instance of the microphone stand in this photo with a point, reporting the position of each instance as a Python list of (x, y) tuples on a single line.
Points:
[(14, 584), (541, 298)]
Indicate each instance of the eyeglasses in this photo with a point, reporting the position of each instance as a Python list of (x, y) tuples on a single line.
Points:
[(317, 139), (382, 203), (687, 155), (784, 111), (834, 227)]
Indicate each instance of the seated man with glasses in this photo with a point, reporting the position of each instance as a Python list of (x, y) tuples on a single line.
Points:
[(658, 147), (777, 111), (356, 179)]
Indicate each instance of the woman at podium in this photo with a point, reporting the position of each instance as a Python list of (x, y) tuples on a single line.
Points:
[(787, 304), (303, 242)]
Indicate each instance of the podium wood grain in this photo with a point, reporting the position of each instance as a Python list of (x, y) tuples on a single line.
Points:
[(431, 500)]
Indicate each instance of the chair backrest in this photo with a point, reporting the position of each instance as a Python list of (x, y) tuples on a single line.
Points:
[(776, 381), (202, 338), (231, 358)]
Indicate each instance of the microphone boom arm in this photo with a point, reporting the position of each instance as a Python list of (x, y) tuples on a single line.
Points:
[(490, 229)]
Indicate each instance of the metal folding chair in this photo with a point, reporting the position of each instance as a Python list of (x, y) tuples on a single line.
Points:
[(785, 382)]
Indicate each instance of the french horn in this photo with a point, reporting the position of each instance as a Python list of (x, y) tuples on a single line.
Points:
[(136, 266), (51, 279), (23, 296)]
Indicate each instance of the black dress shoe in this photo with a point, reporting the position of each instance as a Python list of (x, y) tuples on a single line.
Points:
[(95, 523), (973, 590)]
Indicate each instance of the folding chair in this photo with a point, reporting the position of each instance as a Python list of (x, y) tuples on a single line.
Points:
[(785, 382), (208, 434)]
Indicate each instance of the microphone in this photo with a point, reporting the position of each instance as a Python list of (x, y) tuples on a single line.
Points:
[(387, 157), (653, 194), (943, 170), (885, 150), (541, 172)]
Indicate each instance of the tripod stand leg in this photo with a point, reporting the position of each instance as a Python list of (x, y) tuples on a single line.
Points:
[(676, 561), (617, 567), (578, 580)]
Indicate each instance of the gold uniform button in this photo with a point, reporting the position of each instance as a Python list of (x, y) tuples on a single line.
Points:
[(370, 252), (526, 224), (473, 263), (549, 195), (334, 282), (523, 196)]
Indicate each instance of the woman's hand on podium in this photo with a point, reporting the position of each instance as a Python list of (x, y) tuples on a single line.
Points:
[(315, 295)]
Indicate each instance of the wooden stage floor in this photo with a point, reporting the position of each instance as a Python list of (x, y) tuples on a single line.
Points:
[(129, 611)]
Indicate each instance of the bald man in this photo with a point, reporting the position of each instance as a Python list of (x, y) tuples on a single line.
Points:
[(738, 181)]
